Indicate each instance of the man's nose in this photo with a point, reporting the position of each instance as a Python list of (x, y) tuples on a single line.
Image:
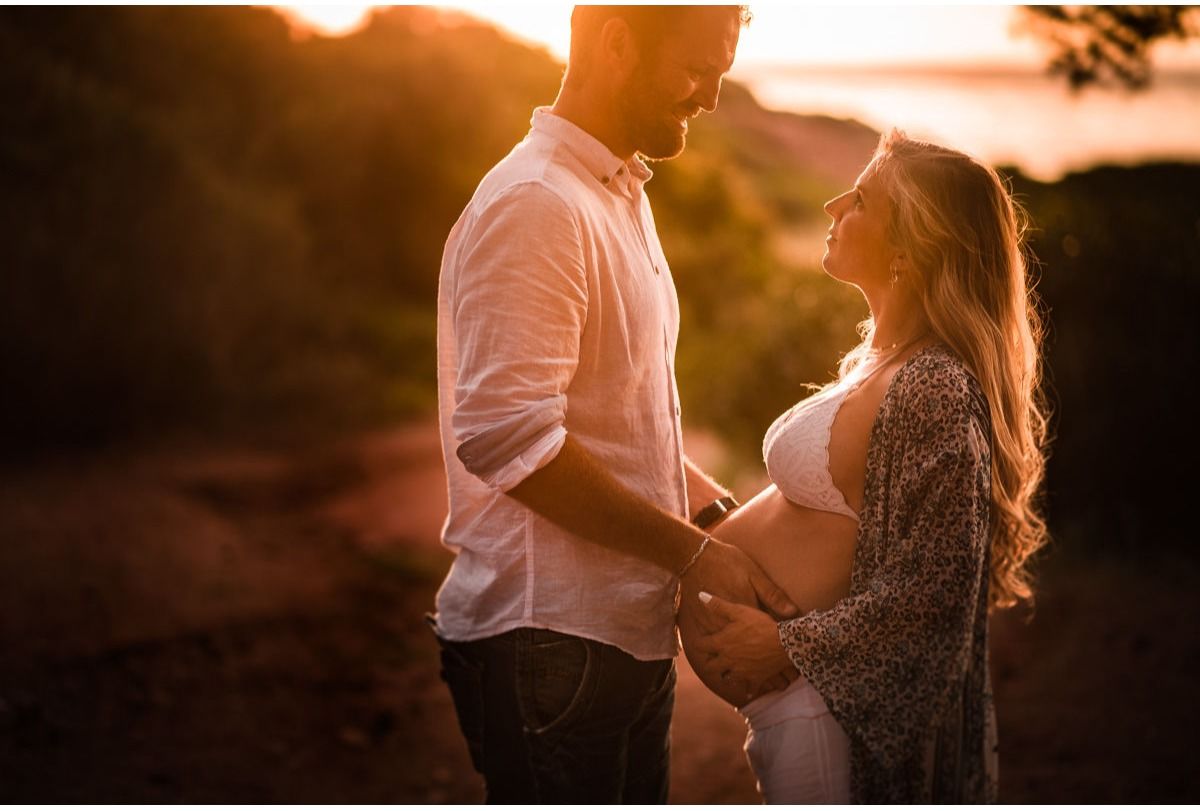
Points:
[(708, 94)]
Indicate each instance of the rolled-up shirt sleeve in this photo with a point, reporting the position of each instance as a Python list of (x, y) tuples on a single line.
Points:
[(519, 309)]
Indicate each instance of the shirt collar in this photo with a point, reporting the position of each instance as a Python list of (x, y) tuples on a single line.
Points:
[(606, 167)]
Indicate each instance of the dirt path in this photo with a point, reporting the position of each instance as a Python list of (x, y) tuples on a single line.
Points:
[(238, 626)]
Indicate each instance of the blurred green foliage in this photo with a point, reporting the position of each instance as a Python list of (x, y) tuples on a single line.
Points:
[(213, 226), (210, 225), (1108, 45)]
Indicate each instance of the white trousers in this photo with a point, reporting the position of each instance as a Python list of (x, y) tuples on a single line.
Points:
[(796, 748)]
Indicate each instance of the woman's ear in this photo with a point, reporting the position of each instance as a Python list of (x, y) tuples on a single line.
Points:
[(898, 267)]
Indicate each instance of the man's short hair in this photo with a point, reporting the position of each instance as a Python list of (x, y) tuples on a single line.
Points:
[(649, 25)]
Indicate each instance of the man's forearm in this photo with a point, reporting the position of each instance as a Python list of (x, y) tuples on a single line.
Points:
[(576, 492), (702, 490)]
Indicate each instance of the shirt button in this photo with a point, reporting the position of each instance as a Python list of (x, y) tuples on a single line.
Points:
[(657, 271), (677, 412)]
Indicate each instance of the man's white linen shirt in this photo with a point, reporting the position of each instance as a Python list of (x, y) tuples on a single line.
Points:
[(557, 314)]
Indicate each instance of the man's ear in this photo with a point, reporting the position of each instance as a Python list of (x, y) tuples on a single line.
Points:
[(618, 49)]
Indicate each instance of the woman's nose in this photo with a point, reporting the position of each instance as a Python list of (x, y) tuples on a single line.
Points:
[(835, 205)]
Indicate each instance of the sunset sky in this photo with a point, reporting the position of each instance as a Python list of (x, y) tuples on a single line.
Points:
[(790, 57), (846, 34), (804, 34)]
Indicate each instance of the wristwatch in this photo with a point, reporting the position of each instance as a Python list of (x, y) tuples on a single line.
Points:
[(715, 511)]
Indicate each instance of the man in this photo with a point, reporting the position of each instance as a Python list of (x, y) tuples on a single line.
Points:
[(569, 489)]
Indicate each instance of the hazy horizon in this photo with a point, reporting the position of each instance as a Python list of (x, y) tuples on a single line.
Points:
[(964, 75), (874, 36)]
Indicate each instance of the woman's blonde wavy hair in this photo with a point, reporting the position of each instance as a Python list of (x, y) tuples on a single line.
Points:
[(963, 236)]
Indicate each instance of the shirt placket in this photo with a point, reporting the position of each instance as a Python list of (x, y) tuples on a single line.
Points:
[(634, 196)]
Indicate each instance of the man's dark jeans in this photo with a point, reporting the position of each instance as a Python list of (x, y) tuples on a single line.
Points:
[(554, 718)]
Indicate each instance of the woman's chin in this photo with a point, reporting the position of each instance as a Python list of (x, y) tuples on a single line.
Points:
[(838, 274)]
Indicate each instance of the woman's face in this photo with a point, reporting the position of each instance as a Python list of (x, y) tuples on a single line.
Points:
[(857, 250)]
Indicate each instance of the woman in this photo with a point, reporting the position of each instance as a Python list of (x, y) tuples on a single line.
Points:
[(901, 505)]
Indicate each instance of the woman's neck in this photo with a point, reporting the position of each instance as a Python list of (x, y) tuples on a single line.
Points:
[(899, 322)]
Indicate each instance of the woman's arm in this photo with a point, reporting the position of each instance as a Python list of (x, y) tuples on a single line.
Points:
[(740, 658)]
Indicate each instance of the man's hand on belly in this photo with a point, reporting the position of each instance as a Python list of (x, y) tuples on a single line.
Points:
[(728, 572)]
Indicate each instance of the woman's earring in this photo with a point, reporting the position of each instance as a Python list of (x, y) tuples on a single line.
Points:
[(895, 268)]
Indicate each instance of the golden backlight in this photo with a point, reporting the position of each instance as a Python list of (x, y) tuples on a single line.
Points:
[(828, 35), (335, 20), (950, 73), (811, 35)]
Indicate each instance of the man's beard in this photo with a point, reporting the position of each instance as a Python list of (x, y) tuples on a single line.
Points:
[(648, 120)]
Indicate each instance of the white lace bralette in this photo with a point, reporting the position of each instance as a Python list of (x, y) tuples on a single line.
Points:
[(796, 448)]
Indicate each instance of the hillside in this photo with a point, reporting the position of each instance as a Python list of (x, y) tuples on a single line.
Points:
[(213, 226)]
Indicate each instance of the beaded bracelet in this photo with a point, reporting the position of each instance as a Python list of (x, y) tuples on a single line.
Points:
[(695, 557)]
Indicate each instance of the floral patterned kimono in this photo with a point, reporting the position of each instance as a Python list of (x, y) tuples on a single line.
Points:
[(902, 662)]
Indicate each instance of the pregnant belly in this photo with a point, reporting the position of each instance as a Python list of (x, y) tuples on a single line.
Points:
[(808, 553)]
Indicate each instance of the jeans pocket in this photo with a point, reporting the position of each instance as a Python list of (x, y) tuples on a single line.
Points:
[(554, 679), (465, 680)]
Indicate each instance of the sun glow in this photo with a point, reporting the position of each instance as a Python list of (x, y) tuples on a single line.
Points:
[(330, 20), (851, 34)]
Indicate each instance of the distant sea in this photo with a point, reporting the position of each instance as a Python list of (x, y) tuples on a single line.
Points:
[(1005, 116)]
